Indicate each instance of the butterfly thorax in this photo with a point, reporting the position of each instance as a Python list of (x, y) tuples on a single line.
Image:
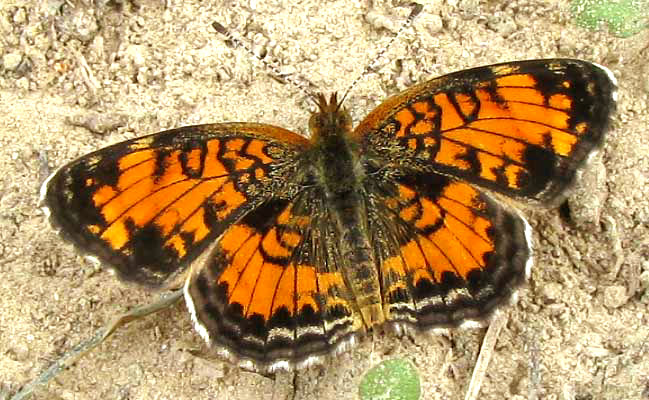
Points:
[(339, 175)]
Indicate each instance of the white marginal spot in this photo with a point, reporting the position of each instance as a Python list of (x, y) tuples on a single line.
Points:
[(309, 361), (43, 194), (477, 323), (43, 191), (610, 75), (399, 329), (514, 299), (200, 328), (528, 239), (247, 364), (279, 365), (226, 354), (96, 262), (345, 344), (440, 330), (404, 329), (590, 157)]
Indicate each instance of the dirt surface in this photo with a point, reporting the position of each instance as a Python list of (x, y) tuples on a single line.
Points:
[(74, 78)]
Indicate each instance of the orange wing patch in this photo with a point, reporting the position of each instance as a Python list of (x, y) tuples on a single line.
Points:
[(458, 254), (522, 129), (262, 296), (456, 239), (150, 205)]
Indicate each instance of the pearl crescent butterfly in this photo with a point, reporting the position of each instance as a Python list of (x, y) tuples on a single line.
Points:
[(291, 248)]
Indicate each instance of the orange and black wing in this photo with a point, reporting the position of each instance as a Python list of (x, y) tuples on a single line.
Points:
[(149, 206), (271, 294), (447, 252), (522, 128)]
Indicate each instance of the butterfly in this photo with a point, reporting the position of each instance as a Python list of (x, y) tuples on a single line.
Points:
[(291, 248)]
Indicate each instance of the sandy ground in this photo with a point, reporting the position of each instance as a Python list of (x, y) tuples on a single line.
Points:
[(580, 329)]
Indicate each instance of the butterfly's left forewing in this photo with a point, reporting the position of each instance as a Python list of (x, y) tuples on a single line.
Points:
[(149, 206)]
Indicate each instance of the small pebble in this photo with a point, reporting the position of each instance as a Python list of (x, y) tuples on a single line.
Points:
[(11, 61), (432, 23), (552, 291), (23, 83), (615, 296), (20, 16), (20, 352), (209, 370)]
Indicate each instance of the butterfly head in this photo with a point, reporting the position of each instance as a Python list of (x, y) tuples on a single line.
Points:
[(330, 118)]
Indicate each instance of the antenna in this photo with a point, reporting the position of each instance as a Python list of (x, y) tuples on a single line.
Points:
[(416, 9), (225, 32)]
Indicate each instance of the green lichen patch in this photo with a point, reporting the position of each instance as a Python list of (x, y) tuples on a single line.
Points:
[(623, 18), (391, 380)]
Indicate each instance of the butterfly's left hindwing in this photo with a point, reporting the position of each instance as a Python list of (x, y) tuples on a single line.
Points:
[(149, 206)]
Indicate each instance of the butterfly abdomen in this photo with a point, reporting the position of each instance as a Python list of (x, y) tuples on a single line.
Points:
[(340, 177), (360, 271)]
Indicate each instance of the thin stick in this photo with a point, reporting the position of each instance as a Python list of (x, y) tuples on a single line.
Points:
[(535, 368), (486, 351), (78, 351)]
